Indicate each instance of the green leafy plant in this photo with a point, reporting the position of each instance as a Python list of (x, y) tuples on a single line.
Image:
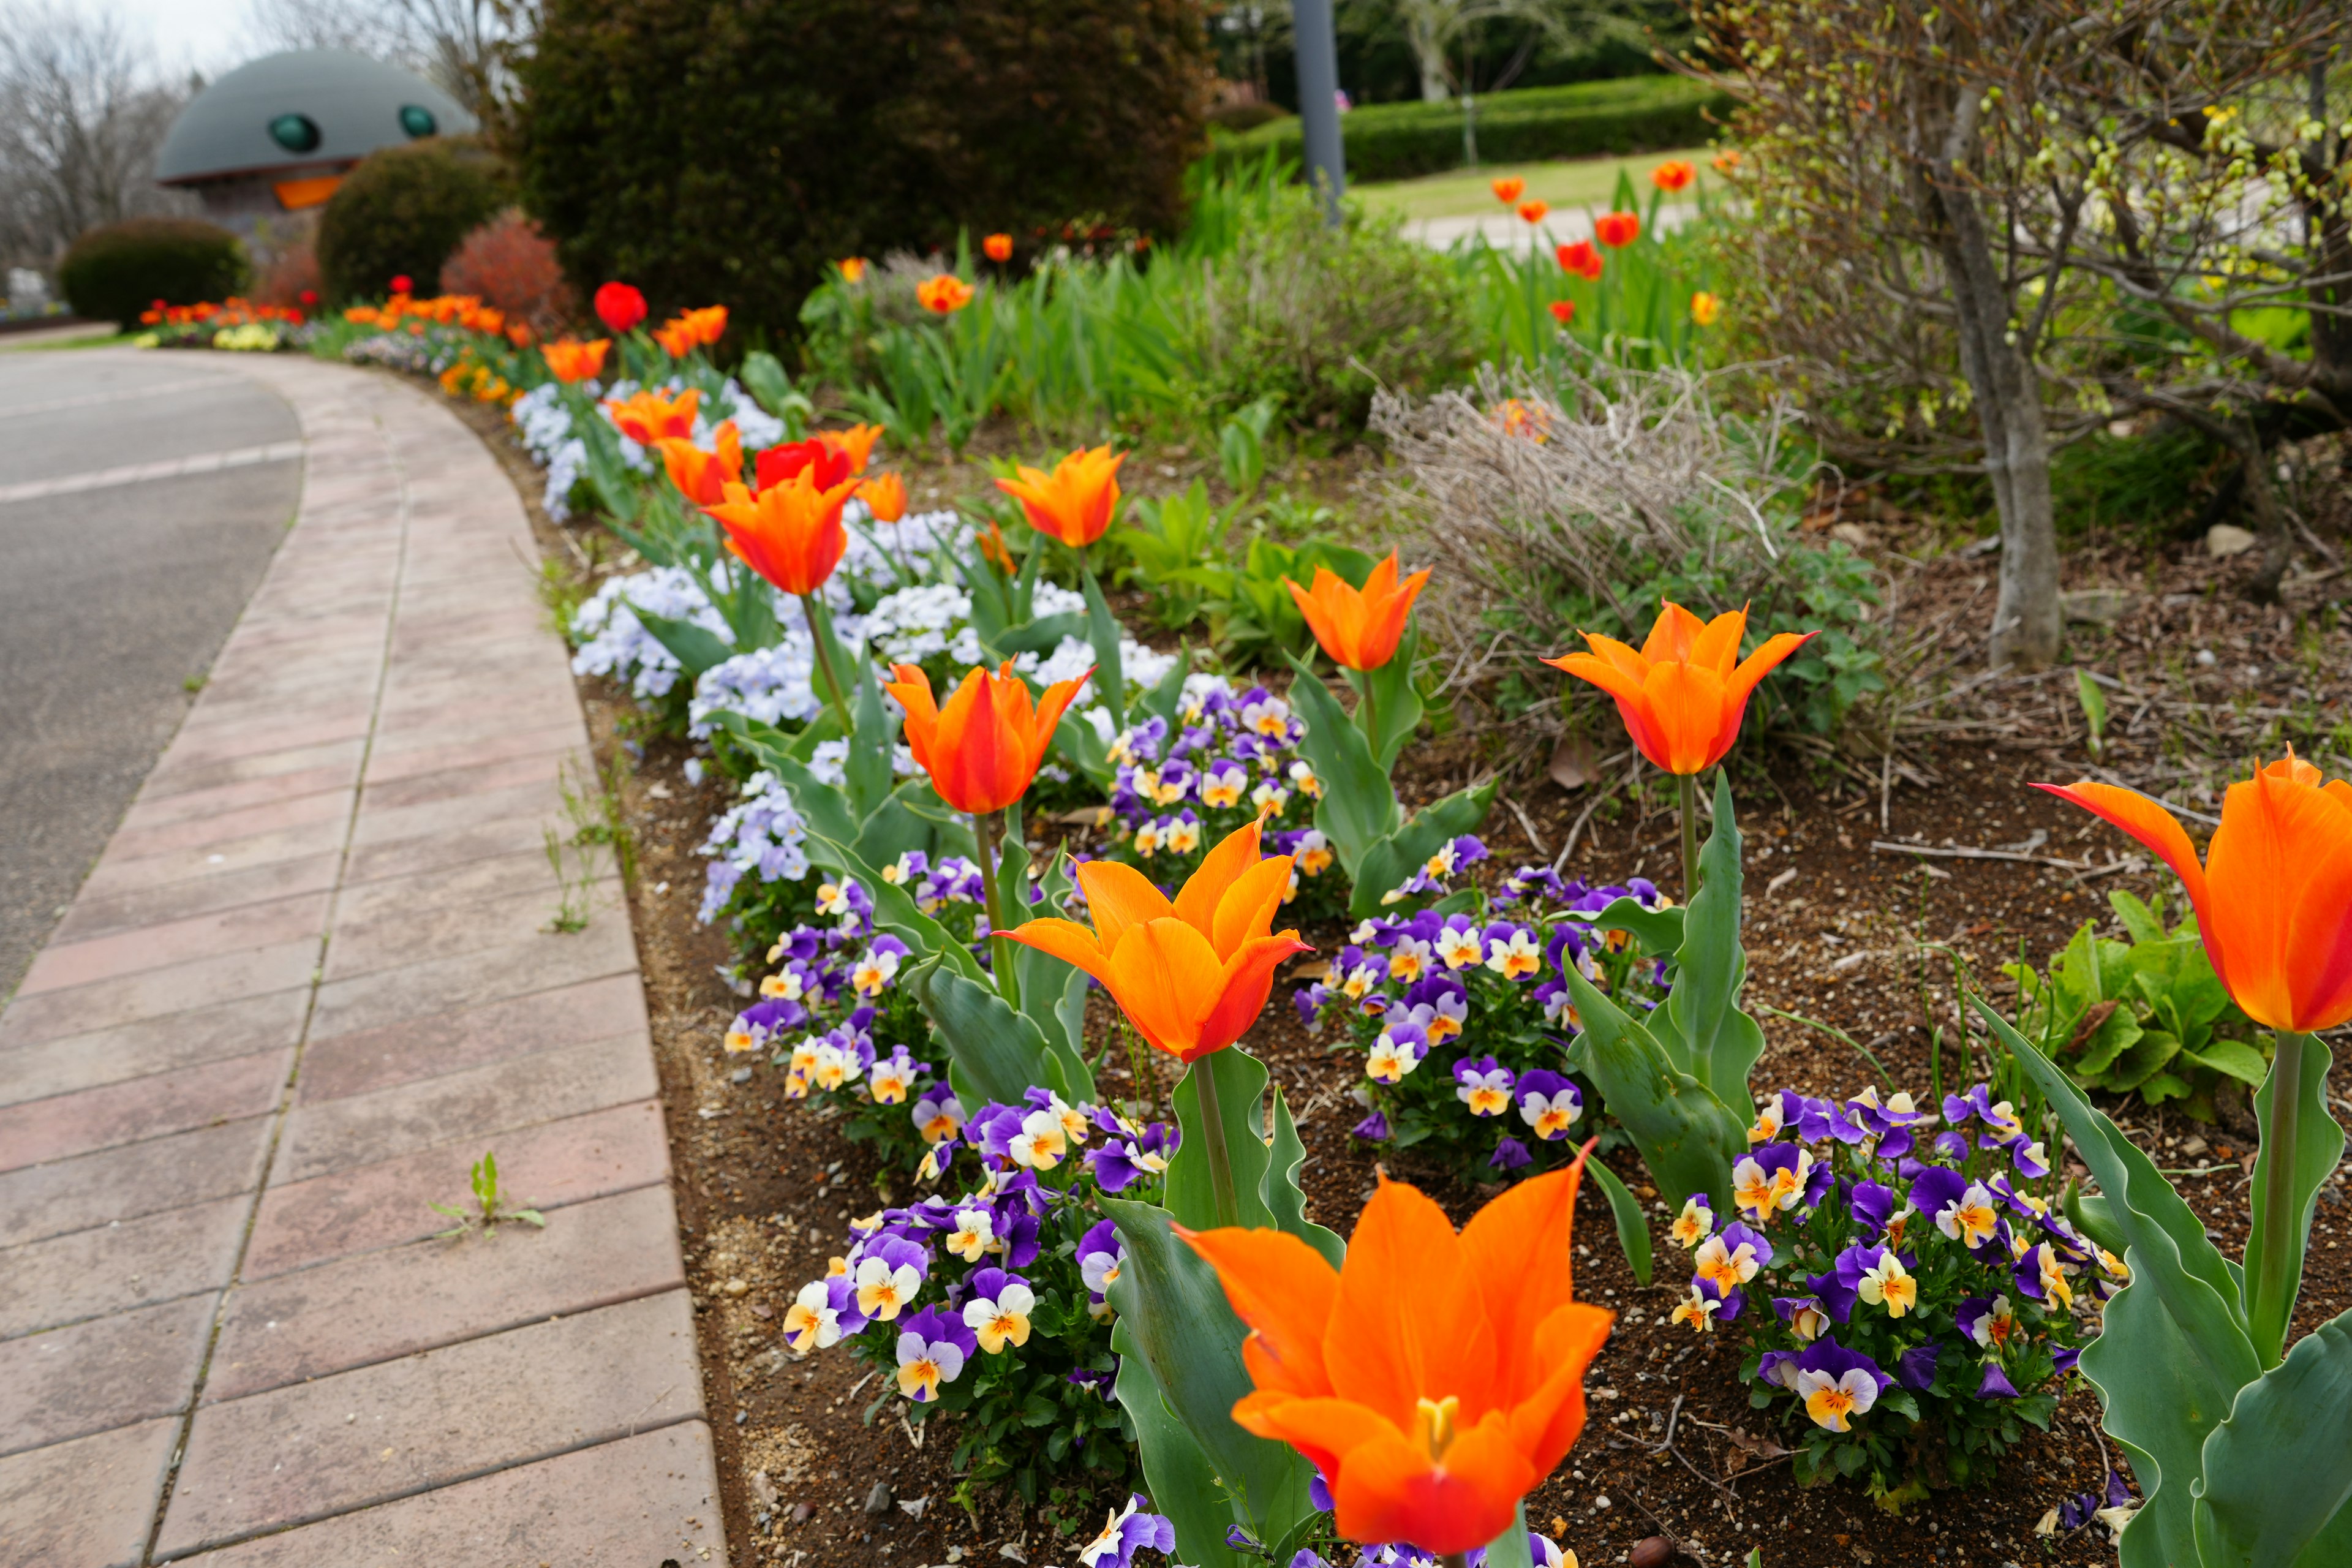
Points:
[(2146, 1015), (402, 213), (2095, 713), (116, 270), (492, 1207)]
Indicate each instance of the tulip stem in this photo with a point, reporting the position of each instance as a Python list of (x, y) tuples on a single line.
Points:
[(1372, 716), (821, 638), (1212, 1143), (2275, 1249), (1689, 785), (986, 827)]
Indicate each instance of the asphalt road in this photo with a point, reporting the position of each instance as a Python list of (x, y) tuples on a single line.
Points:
[(115, 596)]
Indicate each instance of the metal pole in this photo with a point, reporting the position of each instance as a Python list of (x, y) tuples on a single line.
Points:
[(1318, 100)]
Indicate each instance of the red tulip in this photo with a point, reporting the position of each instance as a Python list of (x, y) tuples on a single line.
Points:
[(827, 463), (1617, 230), (1581, 258), (1562, 310), (619, 306), (400, 284)]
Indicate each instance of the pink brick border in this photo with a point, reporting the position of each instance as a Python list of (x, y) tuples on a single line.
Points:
[(304, 987)]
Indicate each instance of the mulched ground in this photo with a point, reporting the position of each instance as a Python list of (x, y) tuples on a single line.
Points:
[(764, 1188)]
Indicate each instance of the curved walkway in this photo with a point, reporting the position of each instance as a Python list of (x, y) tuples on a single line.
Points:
[(307, 986)]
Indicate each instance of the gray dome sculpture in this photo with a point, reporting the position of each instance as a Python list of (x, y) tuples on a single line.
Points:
[(275, 136)]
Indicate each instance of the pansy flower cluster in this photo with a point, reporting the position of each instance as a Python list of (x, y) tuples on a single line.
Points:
[(994, 1302), (1463, 1018), (1906, 1285), (1231, 756)]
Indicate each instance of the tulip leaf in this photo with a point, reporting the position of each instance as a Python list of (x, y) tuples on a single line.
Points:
[(1285, 1199), (1358, 806), (820, 628), (891, 830), (894, 907), (996, 1054), (824, 809), (1395, 707), (2159, 1402), (1103, 631), (1041, 635), (1632, 1225), (1656, 933), (2094, 1217), (1180, 1324), (1241, 1091), (1052, 991), (1710, 968), (1512, 1549), (1076, 742), (2310, 1142), (1182, 1480), (696, 648), (1686, 1134), (1391, 861), (873, 737), (2277, 1475)]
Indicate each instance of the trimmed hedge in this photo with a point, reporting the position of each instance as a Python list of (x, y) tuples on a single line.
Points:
[(727, 150), (402, 213), (114, 272), (1400, 140)]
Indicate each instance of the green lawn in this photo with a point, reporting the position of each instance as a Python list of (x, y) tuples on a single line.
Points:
[(1572, 182)]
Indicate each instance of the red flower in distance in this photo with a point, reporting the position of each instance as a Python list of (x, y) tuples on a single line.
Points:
[(619, 306), (1583, 258), (1617, 230), (1562, 310), (400, 284)]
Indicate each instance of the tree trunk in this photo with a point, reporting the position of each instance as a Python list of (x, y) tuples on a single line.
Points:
[(1429, 54), (2027, 621)]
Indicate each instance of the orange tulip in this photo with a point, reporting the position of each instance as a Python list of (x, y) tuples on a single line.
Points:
[(1509, 189), (675, 338), (996, 552), (1706, 308), (1617, 230), (1435, 1379), (703, 476), (570, 360), (790, 534), (647, 416), (1672, 175), (1074, 502), (998, 247), (1194, 975), (1359, 627), (1533, 211), (1725, 161), (2274, 899), (885, 496), (943, 295), (853, 268), (1562, 310), (1683, 696), (981, 748), (856, 444)]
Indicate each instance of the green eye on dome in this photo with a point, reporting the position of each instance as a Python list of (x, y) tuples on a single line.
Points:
[(417, 120), (295, 133)]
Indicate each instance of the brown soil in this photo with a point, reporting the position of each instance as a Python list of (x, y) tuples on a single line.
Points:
[(764, 1188)]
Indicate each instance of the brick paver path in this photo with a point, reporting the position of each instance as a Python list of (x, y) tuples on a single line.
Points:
[(306, 985)]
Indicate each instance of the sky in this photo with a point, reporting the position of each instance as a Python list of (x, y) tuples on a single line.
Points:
[(201, 35)]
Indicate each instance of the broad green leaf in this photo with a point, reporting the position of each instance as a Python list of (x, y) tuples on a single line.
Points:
[(2145, 1058), (1389, 862), (995, 1053), (2160, 1400), (2140, 921), (1076, 742), (1511, 1549), (697, 648), (1103, 631), (891, 830), (2118, 1033), (1711, 968), (824, 809), (1686, 1135), (1179, 1476), (1284, 1198), (1657, 933), (867, 769), (1241, 1090), (1358, 806), (2300, 1148), (2235, 1057), (1632, 1225), (1177, 1320), (2278, 1471), (1041, 635), (1395, 705), (2094, 1217)]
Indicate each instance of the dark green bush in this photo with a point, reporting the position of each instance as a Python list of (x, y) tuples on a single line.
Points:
[(1320, 317), (402, 210), (728, 152), (114, 272), (1399, 141)]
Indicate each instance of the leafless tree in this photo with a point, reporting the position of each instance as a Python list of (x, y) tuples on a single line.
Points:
[(82, 114), (463, 45)]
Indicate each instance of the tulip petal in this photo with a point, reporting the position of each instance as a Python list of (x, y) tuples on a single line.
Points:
[(1409, 1321), (1326, 1430), (1247, 907), (2153, 825), (1198, 900), (1165, 975), (1119, 896), (1242, 989), (1684, 703), (1739, 683), (1619, 655), (2279, 873), (1284, 1290), (1067, 941), (1548, 1419), (1516, 1249), (1717, 647), (1673, 633), (1387, 1489)]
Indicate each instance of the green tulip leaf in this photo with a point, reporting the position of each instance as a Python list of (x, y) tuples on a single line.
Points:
[(1686, 1134), (1391, 861), (2278, 1472)]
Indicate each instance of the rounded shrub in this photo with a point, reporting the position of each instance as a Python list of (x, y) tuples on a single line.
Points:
[(402, 210), (114, 272), (512, 266), (726, 151)]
